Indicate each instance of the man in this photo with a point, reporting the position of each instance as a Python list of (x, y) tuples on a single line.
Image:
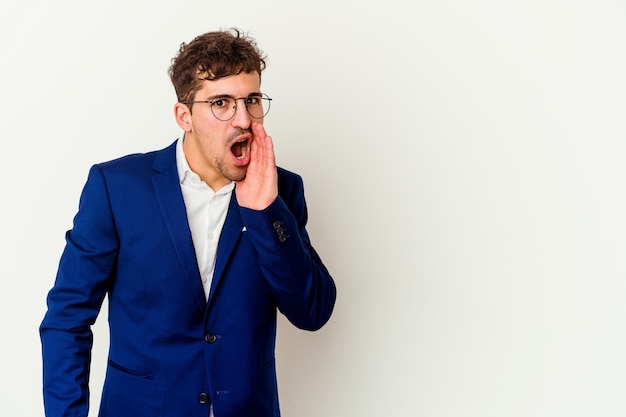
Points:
[(197, 246)]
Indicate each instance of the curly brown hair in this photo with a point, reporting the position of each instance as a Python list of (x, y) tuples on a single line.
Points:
[(211, 56)]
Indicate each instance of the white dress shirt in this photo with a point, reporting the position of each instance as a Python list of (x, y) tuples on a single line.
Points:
[(206, 213)]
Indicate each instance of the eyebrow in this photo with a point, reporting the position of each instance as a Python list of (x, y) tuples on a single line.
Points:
[(219, 96)]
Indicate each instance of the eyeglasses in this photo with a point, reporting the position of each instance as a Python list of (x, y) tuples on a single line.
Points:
[(225, 107)]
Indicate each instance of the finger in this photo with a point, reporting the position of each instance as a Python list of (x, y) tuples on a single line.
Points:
[(258, 136), (269, 149), (265, 146), (258, 130)]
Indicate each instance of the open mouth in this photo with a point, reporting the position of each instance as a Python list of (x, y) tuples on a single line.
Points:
[(240, 149)]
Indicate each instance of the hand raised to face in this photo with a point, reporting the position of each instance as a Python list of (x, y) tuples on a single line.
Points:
[(259, 188)]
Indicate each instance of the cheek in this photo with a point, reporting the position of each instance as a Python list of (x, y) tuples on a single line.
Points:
[(209, 135)]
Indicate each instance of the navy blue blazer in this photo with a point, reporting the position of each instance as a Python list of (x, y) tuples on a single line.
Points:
[(173, 352)]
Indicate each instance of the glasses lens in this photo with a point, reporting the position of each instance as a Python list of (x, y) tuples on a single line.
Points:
[(258, 106), (223, 108)]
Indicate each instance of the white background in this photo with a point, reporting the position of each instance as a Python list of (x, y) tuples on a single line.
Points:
[(464, 163)]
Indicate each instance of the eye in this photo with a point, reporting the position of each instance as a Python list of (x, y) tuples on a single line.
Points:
[(254, 100), (222, 102), (219, 102)]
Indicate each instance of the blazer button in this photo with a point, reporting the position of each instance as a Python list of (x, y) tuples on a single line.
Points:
[(210, 338), (203, 398), (276, 225)]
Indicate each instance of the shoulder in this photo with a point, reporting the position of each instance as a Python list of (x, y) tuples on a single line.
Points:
[(290, 188), (288, 178), (140, 162)]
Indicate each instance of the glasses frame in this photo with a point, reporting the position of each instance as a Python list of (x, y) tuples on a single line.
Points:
[(260, 96)]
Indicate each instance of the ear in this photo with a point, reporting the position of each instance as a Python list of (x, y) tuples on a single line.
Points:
[(183, 116)]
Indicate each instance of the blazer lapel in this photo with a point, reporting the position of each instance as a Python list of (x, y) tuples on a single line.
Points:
[(233, 227), (170, 198)]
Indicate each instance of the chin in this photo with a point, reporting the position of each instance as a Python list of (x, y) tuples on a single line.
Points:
[(237, 174)]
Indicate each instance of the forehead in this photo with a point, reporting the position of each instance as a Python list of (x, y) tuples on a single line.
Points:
[(240, 85)]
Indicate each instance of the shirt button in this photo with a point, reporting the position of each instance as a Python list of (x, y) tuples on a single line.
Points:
[(211, 236), (203, 398), (210, 338)]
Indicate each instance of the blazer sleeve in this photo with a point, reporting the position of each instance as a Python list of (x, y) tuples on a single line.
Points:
[(75, 300), (302, 286)]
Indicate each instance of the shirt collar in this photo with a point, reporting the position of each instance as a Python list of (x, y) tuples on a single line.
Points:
[(181, 161)]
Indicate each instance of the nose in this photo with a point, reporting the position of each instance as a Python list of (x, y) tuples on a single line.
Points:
[(241, 118)]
